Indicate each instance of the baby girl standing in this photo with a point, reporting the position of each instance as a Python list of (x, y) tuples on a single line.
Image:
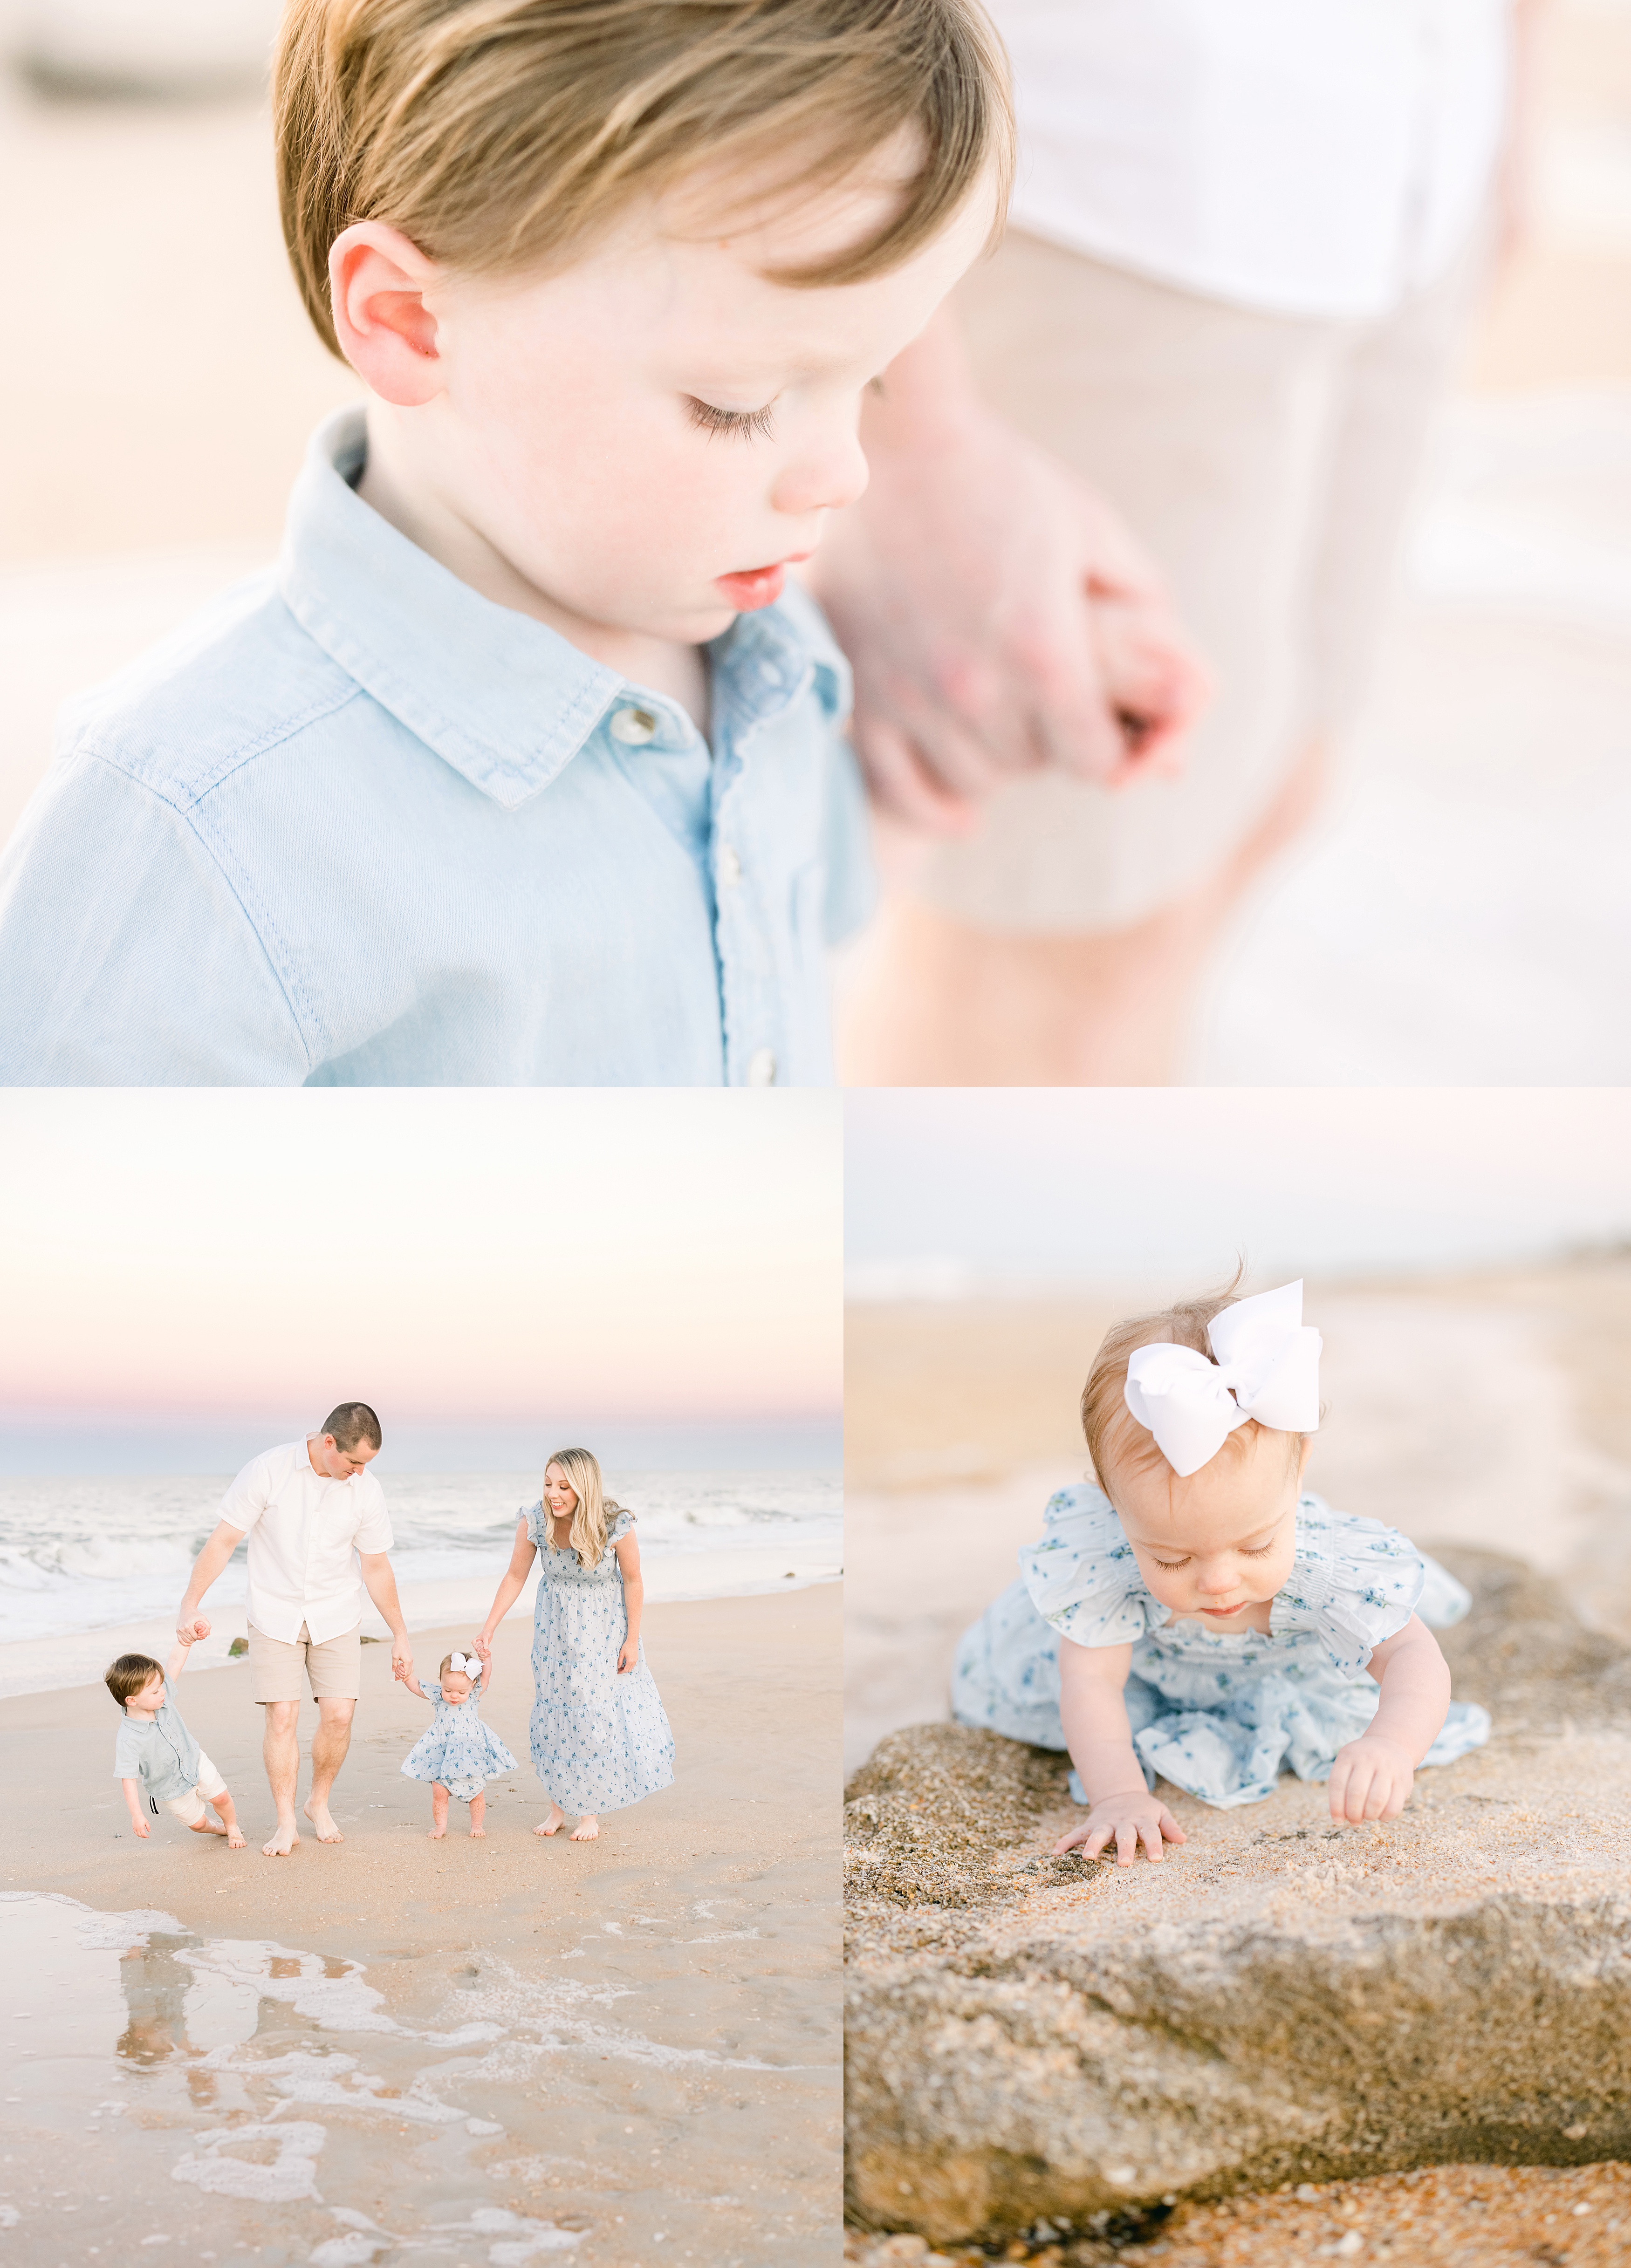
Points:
[(458, 1754), (1199, 1614), (600, 1738)]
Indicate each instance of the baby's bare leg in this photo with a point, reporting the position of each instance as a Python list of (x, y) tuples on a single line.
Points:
[(438, 1811), (228, 1810), (478, 1813)]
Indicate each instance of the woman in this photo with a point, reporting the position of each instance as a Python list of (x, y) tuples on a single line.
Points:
[(600, 1738)]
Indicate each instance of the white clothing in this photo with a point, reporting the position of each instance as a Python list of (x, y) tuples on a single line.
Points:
[(305, 1532), (1313, 158)]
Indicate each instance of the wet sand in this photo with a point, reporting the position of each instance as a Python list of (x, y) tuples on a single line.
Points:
[(627, 2048), (1491, 1410)]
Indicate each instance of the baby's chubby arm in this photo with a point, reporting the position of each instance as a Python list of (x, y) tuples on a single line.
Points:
[(406, 1677), (177, 1663), (1093, 1710), (1372, 1777)]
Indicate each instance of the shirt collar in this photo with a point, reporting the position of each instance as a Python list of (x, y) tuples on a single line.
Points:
[(505, 699)]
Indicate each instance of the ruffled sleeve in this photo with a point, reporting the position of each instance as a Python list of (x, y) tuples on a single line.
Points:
[(1353, 1581), (533, 1515), (621, 1524), (432, 1693), (1082, 1577)]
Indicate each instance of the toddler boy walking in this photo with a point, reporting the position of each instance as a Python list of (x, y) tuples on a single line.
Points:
[(525, 765), (157, 1760)]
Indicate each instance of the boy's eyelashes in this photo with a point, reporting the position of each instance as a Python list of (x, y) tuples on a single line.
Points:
[(753, 424)]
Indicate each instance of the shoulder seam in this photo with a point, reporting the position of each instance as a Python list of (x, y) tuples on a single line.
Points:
[(94, 743), (185, 816)]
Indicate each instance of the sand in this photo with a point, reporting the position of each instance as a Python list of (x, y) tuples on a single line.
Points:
[(1475, 2216), (489, 2049)]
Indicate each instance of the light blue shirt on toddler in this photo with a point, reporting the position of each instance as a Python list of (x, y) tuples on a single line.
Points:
[(357, 825)]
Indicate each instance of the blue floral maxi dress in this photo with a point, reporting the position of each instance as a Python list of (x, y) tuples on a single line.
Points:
[(459, 1751), (1217, 1712), (599, 1742)]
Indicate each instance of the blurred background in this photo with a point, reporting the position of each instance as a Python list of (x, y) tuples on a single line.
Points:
[(1464, 913), (1466, 1256)]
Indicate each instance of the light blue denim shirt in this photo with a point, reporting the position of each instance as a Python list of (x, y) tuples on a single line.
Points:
[(355, 824)]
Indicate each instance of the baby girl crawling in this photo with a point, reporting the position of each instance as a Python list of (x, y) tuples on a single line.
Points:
[(1200, 1616)]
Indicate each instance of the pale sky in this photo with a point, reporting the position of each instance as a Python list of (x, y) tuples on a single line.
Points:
[(953, 1190), (669, 1259)]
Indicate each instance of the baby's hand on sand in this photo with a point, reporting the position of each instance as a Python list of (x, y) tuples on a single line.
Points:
[(1124, 1820), (1371, 1778)]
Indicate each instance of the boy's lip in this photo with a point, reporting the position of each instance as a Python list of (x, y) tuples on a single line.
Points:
[(756, 586)]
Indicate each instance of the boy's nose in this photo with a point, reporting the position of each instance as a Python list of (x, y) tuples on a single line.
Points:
[(823, 481)]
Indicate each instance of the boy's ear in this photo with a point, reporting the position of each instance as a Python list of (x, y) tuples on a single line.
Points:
[(377, 280)]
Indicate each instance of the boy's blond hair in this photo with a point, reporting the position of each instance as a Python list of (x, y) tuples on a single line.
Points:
[(1113, 1432), (498, 135)]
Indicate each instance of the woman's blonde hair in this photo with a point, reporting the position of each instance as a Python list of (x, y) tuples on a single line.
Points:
[(594, 1511), (1113, 1433), (500, 134)]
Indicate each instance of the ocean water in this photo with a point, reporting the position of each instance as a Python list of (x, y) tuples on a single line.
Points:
[(78, 1556)]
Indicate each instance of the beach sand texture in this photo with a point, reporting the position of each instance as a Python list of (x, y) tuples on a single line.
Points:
[(455, 2052)]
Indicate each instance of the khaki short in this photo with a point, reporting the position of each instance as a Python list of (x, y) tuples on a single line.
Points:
[(279, 1671), (1265, 463), (189, 1809)]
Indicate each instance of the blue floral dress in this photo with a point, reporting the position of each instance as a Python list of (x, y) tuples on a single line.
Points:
[(599, 1742), (1219, 1712), (458, 1750)]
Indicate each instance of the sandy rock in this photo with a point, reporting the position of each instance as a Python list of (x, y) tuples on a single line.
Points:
[(1033, 2039)]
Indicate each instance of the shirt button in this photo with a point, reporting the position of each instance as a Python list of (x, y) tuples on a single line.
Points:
[(730, 867), (762, 1068), (633, 727)]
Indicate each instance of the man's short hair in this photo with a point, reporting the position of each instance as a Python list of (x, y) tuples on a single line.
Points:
[(128, 1675), (351, 1422), (501, 134)]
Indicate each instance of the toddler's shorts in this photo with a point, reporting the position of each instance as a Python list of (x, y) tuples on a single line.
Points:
[(189, 1809)]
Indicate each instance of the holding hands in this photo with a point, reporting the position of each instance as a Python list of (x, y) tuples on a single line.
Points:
[(1371, 1778), (1126, 1819)]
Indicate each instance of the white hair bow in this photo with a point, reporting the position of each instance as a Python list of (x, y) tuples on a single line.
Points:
[(465, 1665), (1267, 1367)]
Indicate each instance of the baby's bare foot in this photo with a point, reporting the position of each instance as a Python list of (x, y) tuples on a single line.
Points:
[(436, 1834), (556, 1821), (478, 1830), (287, 1839), (208, 1827), (234, 1838), (585, 1830), (322, 1820)]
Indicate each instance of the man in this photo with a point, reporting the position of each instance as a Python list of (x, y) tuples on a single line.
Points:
[(315, 1517)]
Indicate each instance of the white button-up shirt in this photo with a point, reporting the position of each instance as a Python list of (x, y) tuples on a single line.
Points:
[(304, 1533), (1313, 158)]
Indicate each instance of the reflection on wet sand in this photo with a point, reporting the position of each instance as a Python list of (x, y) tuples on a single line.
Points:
[(248, 2096)]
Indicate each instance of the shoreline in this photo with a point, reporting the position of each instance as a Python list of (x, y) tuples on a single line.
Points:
[(77, 1658), (653, 2058)]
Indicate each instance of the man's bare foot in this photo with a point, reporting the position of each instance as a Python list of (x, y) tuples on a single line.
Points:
[(234, 1838), (437, 1832), (287, 1839), (478, 1830), (322, 1820), (554, 1823), (585, 1830)]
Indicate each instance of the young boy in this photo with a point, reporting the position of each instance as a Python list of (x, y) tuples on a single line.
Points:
[(157, 1759), (525, 766)]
